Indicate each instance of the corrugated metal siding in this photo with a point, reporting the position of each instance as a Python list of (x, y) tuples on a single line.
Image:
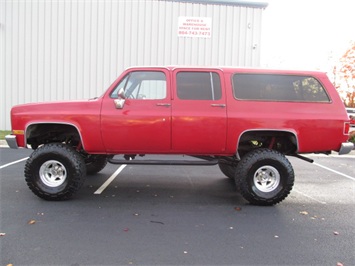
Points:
[(72, 49)]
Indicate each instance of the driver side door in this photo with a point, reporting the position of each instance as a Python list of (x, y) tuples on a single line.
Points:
[(143, 123)]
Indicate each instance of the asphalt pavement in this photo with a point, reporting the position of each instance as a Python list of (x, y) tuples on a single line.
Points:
[(179, 215)]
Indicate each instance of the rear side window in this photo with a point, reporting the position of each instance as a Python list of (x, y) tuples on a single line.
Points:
[(266, 87), (198, 86)]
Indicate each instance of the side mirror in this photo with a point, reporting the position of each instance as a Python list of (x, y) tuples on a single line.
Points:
[(121, 94), (119, 103)]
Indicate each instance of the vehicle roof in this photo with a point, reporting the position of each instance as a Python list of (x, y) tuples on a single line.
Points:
[(253, 4), (231, 69)]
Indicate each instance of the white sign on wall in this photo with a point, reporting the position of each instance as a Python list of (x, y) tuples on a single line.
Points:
[(200, 27)]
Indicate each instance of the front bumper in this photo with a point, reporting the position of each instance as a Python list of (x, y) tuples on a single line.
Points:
[(346, 147), (11, 141)]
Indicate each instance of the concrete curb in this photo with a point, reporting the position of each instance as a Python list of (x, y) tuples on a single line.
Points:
[(3, 143)]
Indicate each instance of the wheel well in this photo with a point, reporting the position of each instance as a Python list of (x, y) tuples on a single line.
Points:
[(38, 134), (282, 141)]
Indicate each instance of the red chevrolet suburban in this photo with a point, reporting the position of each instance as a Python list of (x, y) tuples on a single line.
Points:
[(244, 120)]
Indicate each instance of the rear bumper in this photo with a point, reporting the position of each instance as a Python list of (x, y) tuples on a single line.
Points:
[(11, 141), (346, 147)]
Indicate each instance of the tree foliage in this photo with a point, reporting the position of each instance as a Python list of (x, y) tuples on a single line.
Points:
[(344, 75)]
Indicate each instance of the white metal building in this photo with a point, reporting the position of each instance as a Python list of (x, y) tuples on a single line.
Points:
[(74, 49)]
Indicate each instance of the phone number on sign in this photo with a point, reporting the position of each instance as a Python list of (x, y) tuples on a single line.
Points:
[(195, 33)]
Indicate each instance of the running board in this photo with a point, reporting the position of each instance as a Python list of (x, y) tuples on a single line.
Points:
[(164, 162), (303, 158)]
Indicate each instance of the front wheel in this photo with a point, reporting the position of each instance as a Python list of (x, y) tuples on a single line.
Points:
[(265, 177), (55, 171)]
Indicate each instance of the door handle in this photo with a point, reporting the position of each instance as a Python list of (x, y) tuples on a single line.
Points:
[(218, 105), (164, 104)]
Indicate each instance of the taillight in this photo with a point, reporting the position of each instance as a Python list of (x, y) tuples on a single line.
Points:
[(346, 128)]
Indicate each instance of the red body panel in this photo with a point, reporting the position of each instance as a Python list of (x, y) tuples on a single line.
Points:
[(206, 119), (84, 115), (174, 126)]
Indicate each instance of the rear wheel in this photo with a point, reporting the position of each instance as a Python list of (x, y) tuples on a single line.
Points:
[(264, 177), (55, 171)]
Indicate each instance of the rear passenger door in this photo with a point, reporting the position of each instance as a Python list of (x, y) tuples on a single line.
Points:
[(198, 112)]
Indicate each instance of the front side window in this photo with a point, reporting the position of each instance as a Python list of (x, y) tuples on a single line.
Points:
[(267, 87), (143, 85), (198, 86)]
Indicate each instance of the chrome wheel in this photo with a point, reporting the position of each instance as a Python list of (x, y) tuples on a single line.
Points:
[(52, 173), (55, 171), (266, 178)]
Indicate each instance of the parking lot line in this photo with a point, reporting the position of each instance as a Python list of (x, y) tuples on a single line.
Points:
[(15, 162), (111, 178), (334, 171), (307, 196)]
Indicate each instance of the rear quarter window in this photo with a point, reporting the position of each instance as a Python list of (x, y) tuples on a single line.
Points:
[(267, 87)]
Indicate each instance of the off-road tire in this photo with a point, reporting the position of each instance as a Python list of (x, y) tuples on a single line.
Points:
[(228, 169), (95, 163), (265, 177), (55, 171)]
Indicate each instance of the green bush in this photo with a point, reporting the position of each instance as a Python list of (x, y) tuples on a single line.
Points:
[(352, 139), (352, 136), (3, 133)]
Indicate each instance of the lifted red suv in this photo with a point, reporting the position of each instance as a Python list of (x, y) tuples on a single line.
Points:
[(244, 120)]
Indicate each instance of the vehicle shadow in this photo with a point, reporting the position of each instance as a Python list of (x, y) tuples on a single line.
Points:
[(164, 189)]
